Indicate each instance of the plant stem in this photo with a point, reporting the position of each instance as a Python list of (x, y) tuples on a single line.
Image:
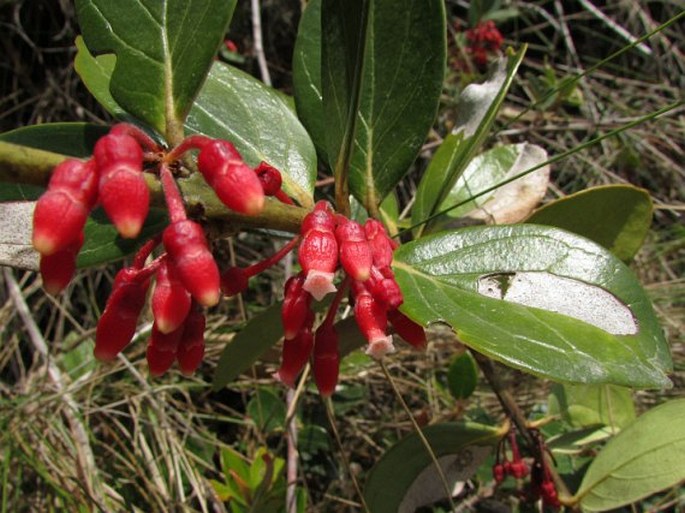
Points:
[(517, 416), (174, 201)]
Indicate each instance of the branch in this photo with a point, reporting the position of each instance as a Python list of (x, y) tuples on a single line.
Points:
[(26, 165)]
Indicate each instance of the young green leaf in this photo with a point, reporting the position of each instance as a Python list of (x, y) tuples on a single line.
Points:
[(478, 106), (645, 458), (625, 212), (156, 77), (589, 405), (462, 376), (382, 64), (539, 299), (405, 477)]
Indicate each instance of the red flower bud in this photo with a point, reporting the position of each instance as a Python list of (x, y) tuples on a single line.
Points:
[(117, 325), (382, 246), (170, 299), (384, 288), (549, 494), (236, 185), (519, 469), (234, 281), (58, 268), (355, 253), (123, 191), (61, 213), (187, 248), (270, 178), (296, 352), (410, 331), (498, 472), (296, 306), (326, 360), (191, 350)]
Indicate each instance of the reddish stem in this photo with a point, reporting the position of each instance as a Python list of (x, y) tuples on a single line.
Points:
[(193, 142), (147, 271), (272, 260), (333, 310), (144, 252), (172, 195), (141, 137), (284, 198)]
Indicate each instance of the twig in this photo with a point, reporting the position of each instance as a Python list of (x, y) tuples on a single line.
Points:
[(518, 418), (258, 42)]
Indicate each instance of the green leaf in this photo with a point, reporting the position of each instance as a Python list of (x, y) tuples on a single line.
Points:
[(235, 106), (507, 204), (589, 405), (267, 411), (405, 477), (625, 212), (538, 299), (259, 334), (96, 73), (163, 53), (382, 65), (103, 244), (478, 107), (462, 376), (645, 458), (72, 139), (307, 75)]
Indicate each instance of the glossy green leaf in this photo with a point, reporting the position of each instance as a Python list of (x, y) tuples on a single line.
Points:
[(477, 109), (645, 458), (405, 477), (307, 75), (507, 204), (538, 299), (72, 139), (156, 75), (259, 334), (462, 376), (96, 74), (589, 405), (394, 88), (235, 106), (625, 213)]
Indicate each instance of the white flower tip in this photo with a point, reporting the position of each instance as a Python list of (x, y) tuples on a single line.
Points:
[(319, 284), (379, 347)]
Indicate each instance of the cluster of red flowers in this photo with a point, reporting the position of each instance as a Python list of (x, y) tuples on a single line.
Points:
[(187, 277), (483, 39), (541, 484)]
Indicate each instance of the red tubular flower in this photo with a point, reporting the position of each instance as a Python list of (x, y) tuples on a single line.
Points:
[(191, 349), (410, 331), (372, 320), (318, 252), (170, 299), (61, 213), (57, 269), (236, 185), (326, 359), (188, 251), (162, 350), (296, 352), (123, 191), (296, 306), (269, 177), (355, 252), (384, 288), (234, 280), (117, 325)]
